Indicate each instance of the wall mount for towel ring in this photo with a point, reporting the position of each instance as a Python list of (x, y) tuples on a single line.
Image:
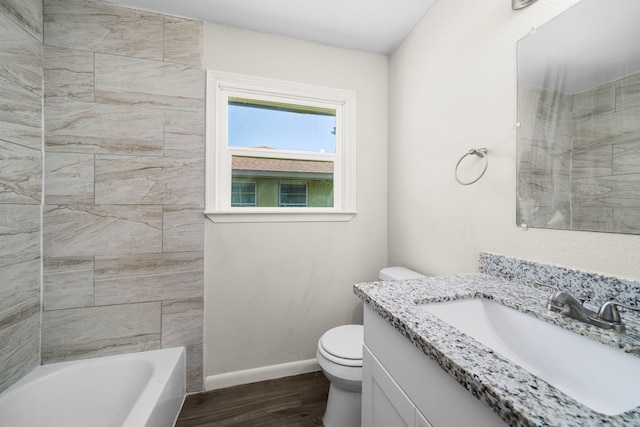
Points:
[(480, 152)]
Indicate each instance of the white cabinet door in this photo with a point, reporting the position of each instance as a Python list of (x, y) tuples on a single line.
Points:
[(384, 404), (421, 421)]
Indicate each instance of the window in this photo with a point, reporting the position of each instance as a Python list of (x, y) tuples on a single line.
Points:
[(243, 193), (279, 151), (293, 195)]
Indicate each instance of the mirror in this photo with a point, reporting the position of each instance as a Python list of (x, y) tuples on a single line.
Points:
[(579, 120)]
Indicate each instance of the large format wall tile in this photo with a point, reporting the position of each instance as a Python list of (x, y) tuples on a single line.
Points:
[(148, 277), (20, 174), (628, 92), (103, 27), (19, 320), (590, 162), (182, 322), (68, 74), (20, 350), (601, 100), (21, 84), (84, 127), (183, 134), (616, 191), (19, 293), (608, 129), (19, 233), (124, 183), (183, 40), (123, 80), (69, 178), (87, 230), (99, 331), (182, 228), (68, 283), (26, 13), (20, 187), (148, 180), (626, 158)]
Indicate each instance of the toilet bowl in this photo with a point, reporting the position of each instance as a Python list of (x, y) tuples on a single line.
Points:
[(339, 354)]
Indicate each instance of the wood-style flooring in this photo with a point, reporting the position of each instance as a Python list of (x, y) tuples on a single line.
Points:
[(297, 401)]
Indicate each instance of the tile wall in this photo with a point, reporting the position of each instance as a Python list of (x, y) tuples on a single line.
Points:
[(123, 224), (544, 157), (20, 186), (605, 184), (578, 158)]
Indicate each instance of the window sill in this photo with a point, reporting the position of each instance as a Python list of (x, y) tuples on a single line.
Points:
[(298, 216)]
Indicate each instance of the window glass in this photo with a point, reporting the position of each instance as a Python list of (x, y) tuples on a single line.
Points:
[(293, 195), (243, 193), (274, 125)]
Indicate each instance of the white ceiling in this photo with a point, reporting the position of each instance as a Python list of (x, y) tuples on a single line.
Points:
[(377, 26)]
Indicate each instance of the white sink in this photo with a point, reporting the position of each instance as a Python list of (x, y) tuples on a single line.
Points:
[(603, 378)]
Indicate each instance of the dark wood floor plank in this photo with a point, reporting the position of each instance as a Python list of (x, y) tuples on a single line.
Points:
[(297, 401)]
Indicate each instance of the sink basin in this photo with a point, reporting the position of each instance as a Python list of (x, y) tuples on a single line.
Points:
[(603, 378)]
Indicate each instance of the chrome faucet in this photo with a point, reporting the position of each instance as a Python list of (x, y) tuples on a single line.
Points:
[(607, 317)]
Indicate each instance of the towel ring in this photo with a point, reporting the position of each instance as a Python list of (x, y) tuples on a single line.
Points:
[(480, 152)]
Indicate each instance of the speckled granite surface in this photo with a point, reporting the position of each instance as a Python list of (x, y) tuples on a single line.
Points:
[(591, 287), (520, 398)]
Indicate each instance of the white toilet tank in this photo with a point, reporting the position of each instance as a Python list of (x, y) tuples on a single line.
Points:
[(399, 273)]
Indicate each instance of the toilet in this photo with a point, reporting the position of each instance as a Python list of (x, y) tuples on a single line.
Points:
[(339, 354)]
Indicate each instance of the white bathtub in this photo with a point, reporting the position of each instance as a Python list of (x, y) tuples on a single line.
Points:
[(132, 390)]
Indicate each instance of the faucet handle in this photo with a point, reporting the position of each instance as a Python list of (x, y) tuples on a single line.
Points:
[(610, 313)]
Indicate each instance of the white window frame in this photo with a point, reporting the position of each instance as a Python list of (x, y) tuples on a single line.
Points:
[(221, 86)]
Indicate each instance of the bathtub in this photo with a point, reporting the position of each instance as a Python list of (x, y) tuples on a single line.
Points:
[(131, 390)]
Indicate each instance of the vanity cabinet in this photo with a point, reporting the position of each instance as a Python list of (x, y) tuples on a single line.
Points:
[(387, 404), (401, 386)]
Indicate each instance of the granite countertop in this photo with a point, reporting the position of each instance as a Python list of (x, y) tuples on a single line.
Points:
[(519, 397)]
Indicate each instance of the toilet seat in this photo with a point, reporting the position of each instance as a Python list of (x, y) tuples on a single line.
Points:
[(343, 345)]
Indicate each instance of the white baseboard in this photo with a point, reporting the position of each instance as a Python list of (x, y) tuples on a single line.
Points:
[(229, 379)]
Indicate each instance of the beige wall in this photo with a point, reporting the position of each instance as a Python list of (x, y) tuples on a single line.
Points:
[(453, 87), (271, 290)]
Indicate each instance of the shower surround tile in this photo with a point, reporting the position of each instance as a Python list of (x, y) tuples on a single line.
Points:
[(20, 187), (626, 158), (26, 13), (183, 40), (19, 234), (68, 283), (87, 230), (68, 74), (182, 228), (132, 81), (20, 174), (141, 180), (21, 83), (182, 322), (103, 27), (148, 277), (84, 127), (183, 134), (79, 333), (628, 92), (124, 176), (69, 178)]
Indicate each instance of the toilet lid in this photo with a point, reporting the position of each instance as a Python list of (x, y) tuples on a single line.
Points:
[(344, 342)]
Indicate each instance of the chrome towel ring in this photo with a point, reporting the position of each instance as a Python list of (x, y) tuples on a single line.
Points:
[(480, 152)]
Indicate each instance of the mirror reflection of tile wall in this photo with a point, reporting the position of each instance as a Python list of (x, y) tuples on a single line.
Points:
[(579, 158)]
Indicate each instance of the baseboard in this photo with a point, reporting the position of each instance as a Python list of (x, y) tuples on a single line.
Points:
[(229, 379)]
